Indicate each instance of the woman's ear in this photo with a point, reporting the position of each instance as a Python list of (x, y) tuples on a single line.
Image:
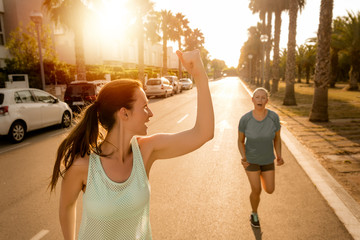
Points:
[(123, 113)]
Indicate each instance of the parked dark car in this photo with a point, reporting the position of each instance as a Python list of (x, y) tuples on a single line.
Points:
[(79, 94)]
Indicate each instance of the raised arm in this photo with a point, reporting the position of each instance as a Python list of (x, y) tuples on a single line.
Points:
[(173, 145)]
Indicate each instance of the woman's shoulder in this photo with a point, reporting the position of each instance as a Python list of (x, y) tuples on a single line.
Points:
[(78, 171), (246, 115), (272, 114), (81, 161)]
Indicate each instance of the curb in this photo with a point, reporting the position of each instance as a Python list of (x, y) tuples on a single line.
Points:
[(344, 206)]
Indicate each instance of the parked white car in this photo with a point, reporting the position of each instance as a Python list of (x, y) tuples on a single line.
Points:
[(26, 109), (158, 87), (186, 83), (174, 81)]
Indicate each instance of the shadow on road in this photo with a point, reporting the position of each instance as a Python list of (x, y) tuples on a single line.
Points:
[(257, 232)]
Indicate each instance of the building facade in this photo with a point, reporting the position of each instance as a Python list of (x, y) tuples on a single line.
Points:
[(98, 49)]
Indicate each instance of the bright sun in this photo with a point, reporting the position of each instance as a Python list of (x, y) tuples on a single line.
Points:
[(113, 18)]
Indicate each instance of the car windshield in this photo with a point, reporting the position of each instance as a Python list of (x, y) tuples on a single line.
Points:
[(153, 82), (79, 89), (1, 98), (170, 79)]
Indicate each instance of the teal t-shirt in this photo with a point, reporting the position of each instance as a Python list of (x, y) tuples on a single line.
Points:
[(259, 136)]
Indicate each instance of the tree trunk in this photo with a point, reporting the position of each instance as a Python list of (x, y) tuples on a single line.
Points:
[(258, 73), (141, 55), (276, 70), (319, 109), (180, 67), (164, 70), (299, 73), (79, 56), (354, 73), (268, 49), (289, 98)]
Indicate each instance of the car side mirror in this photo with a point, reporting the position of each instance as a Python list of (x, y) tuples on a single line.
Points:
[(56, 100)]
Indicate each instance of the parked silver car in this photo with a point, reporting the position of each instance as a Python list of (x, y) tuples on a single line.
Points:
[(26, 109), (175, 83), (186, 83), (158, 87)]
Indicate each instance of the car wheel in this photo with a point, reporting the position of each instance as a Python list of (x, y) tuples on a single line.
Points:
[(166, 95), (17, 132), (66, 120)]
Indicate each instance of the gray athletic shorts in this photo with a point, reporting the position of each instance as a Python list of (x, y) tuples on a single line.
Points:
[(263, 168)]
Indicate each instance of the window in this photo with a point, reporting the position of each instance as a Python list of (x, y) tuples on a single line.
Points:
[(2, 34), (153, 82), (25, 97), (43, 97), (17, 98)]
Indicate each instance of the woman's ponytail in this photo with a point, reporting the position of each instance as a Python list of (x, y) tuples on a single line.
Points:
[(85, 136), (80, 141)]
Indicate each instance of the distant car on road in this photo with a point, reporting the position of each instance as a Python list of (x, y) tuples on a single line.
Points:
[(158, 87), (186, 83), (26, 109), (175, 83), (79, 94)]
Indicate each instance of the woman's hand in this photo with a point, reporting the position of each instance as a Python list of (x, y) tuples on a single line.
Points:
[(279, 161), (192, 62), (245, 163)]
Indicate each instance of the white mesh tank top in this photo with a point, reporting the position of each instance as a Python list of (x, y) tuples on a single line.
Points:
[(114, 210)]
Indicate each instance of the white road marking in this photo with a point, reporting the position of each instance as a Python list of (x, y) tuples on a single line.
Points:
[(246, 88), (13, 148), (183, 118), (40, 235)]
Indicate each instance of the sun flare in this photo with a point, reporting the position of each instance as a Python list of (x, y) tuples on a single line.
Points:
[(113, 18)]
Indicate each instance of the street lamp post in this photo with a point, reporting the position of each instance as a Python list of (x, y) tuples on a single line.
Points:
[(263, 39), (36, 17), (250, 56)]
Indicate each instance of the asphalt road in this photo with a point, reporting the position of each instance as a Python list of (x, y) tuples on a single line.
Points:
[(202, 195)]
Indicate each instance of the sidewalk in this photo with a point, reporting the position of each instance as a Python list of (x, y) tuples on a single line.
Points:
[(329, 153)]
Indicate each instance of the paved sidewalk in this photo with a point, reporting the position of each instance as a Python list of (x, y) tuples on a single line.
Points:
[(329, 153)]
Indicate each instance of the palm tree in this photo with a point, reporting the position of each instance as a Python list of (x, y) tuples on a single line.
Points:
[(282, 64), (309, 60), (71, 14), (279, 6), (348, 37), (262, 7), (289, 98), (319, 109), (252, 46), (167, 28), (143, 15), (194, 39), (300, 60), (268, 49), (181, 25)]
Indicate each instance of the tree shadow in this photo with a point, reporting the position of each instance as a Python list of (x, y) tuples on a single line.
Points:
[(344, 117)]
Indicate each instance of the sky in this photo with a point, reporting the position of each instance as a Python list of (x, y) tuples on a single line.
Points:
[(225, 23)]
